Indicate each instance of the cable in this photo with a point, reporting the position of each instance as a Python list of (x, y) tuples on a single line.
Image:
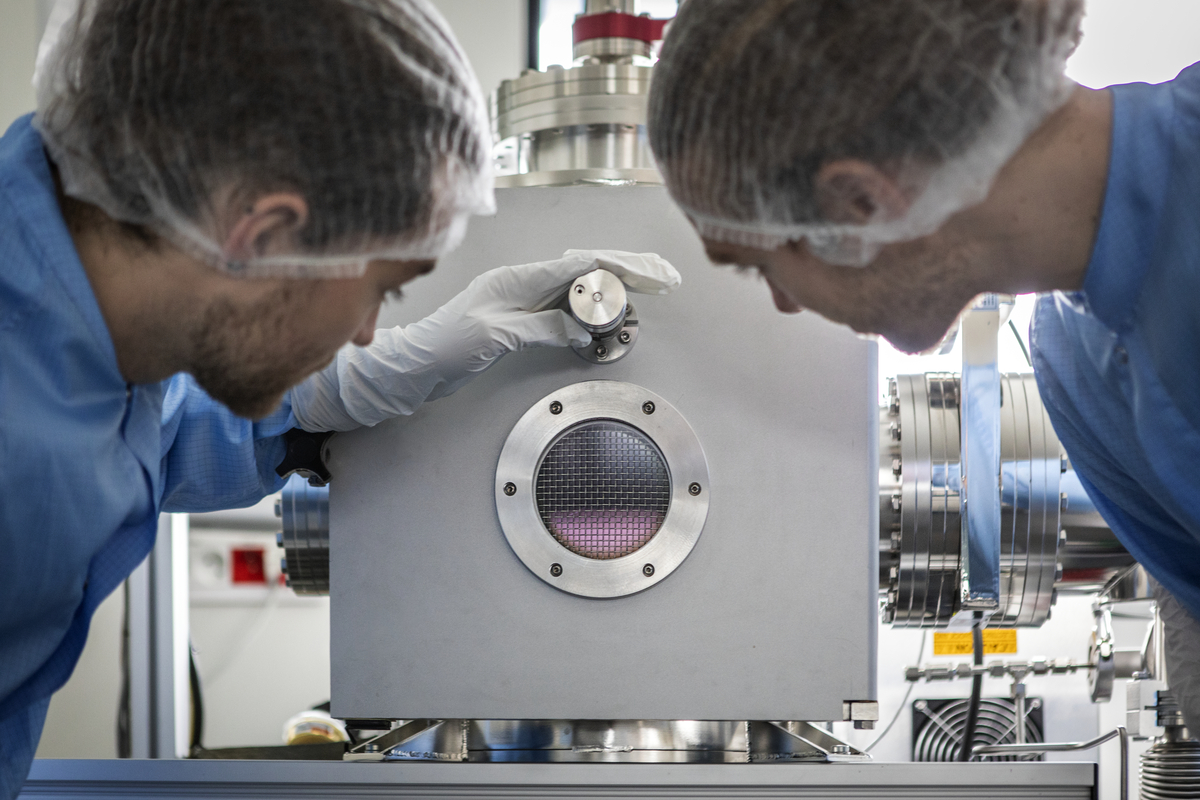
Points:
[(968, 739), (124, 734), (1020, 342), (197, 738), (903, 703)]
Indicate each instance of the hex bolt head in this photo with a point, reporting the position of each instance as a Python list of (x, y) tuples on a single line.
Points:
[(841, 749), (601, 351), (894, 431), (897, 468), (895, 502), (510, 488), (556, 407), (647, 407), (624, 337), (648, 570), (283, 565), (555, 570), (278, 507), (279, 538), (694, 489)]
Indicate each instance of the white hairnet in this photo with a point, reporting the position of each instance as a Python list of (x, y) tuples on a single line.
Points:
[(177, 114), (752, 97)]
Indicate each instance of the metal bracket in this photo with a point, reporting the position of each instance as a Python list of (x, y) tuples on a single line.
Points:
[(377, 748), (799, 741)]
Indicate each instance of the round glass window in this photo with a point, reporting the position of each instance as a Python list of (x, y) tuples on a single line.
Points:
[(603, 489)]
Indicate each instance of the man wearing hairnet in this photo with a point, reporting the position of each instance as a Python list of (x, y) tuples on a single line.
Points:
[(882, 163), (213, 197)]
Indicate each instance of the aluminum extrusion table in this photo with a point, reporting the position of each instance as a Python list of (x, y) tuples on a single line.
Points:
[(146, 779)]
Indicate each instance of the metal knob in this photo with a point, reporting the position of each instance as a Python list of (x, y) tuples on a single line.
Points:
[(598, 303)]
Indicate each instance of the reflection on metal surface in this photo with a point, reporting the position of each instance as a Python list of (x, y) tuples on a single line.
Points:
[(304, 512), (598, 301), (606, 741), (567, 501), (920, 489), (980, 438)]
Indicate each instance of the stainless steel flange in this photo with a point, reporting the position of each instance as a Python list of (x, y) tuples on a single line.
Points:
[(920, 488), (602, 489)]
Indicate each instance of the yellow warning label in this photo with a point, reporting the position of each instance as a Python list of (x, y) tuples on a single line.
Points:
[(1001, 640)]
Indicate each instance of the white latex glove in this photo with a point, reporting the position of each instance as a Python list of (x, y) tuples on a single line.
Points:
[(499, 312)]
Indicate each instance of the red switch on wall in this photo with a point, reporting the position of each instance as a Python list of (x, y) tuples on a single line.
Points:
[(248, 566)]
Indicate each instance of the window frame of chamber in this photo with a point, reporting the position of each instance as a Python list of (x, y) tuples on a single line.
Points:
[(531, 439)]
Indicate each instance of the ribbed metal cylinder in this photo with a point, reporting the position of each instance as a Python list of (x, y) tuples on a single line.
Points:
[(920, 485), (304, 511), (1171, 771)]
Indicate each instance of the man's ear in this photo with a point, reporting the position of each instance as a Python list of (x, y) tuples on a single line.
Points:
[(853, 192), (266, 227)]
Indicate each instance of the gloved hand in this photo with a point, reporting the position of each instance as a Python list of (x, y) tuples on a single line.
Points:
[(499, 312)]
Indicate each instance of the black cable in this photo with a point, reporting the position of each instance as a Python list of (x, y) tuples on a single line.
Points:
[(124, 735), (534, 24), (968, 738), (1020, 342), (197, 737)]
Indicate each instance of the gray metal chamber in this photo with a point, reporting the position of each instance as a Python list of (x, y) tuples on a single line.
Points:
[(772, 614)]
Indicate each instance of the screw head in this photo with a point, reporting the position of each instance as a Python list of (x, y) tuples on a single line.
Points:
[(601, 351), (648, 570), (555, 570), (597, 297), (556, 407), (841, 749), (510, 488), (624, 337), (647, 407), (694, 489)]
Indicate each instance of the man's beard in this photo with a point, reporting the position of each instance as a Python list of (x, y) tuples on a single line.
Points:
[(243, 361)]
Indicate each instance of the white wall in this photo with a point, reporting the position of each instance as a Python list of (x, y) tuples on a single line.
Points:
[(20, 30), (82, 722), (492, 32)]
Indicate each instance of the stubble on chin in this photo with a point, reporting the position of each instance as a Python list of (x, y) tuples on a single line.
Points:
[(242, 356)]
